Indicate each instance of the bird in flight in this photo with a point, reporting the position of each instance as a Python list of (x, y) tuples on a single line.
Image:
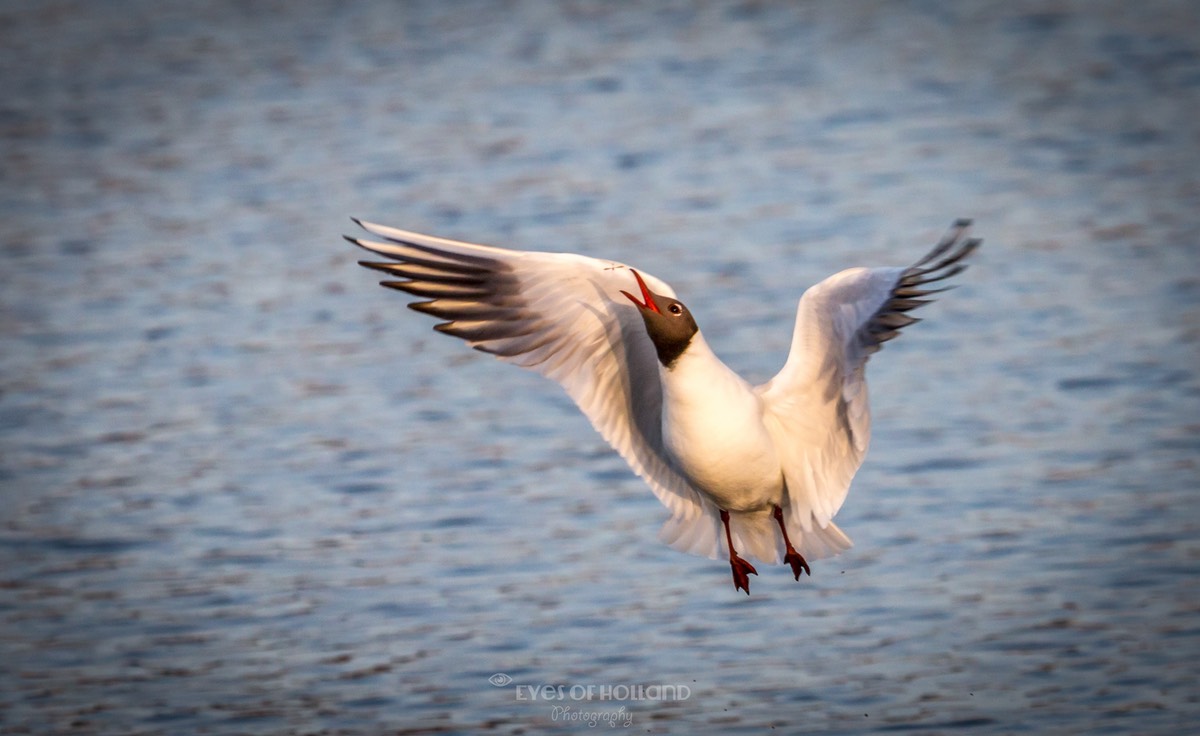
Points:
[(745, 471)]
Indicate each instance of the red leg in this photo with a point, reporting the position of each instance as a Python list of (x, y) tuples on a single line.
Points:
[(792, 557), (741, 569)]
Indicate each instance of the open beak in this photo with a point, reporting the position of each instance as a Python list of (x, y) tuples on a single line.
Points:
[(646, 295)]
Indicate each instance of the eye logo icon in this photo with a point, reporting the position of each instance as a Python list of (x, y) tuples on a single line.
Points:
[(500, 679)]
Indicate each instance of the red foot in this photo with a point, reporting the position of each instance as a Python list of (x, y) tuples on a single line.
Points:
[(741, 568), (797, 561), (792, 557), (741, 581)]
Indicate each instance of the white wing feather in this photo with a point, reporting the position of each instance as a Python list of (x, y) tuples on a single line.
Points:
[(816, 406), (561, 315)]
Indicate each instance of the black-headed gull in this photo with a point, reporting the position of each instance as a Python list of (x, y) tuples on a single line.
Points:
[(760, 469)]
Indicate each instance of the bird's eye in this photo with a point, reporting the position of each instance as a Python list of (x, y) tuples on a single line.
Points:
[(675, 309)]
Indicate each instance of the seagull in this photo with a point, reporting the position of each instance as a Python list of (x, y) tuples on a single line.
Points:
[(743, 470)]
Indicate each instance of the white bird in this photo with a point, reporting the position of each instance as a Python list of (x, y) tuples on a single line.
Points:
[(769, 465)]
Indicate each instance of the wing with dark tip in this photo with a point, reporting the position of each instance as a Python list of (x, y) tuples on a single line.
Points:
[(563, 316), (817, 405), (944, 261)]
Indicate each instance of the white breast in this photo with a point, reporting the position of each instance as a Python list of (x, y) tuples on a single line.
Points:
[(714, 431)]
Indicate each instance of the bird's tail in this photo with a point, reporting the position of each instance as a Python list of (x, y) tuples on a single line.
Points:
[(755, 535)]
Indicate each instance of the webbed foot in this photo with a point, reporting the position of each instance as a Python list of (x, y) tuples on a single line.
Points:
[(741, 573)]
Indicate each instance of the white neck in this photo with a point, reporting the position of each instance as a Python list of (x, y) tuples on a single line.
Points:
[(699, 377)]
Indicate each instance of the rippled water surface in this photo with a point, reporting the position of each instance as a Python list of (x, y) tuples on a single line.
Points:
[(246, 491)]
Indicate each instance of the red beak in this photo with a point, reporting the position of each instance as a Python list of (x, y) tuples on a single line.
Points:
[(646, 295)]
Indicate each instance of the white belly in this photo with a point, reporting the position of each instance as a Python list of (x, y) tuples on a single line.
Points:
[(735, 474), (713, 429)]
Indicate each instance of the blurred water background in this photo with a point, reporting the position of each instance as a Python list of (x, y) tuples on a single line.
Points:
[(246, 491)]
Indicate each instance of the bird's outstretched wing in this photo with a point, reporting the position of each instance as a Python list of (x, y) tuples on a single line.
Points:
[(816, 405), (563, 316)]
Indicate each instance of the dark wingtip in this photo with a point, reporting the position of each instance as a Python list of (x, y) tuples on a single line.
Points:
[(397, 285), (377, 266), (960, 222), (358, 222)]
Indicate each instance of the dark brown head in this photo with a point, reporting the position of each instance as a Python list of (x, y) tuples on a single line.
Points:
[(669, 324)]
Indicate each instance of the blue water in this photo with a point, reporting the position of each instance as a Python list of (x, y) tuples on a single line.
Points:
[(246, 491)]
